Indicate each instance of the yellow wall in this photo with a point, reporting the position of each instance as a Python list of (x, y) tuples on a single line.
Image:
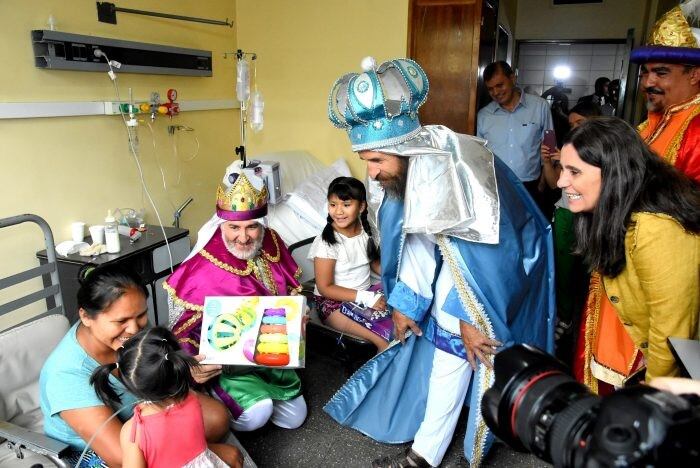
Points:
[(539, 19), (75, 168), (68, 169), (303, 46)]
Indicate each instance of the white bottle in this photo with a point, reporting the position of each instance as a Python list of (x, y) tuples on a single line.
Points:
[(111, 234)]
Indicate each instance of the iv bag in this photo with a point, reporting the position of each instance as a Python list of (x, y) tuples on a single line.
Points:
[(256, 112), (242, 81)]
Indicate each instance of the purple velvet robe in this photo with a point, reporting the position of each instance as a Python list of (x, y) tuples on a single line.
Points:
[(214, 271)]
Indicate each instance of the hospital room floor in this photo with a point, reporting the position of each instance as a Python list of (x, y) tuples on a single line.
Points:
[(321, 442)]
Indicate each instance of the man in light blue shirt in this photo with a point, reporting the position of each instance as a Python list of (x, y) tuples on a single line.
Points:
[(513, 125)]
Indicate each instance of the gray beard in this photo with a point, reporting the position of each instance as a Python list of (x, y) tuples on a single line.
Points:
[(651, 107), (254, 252), (396, 186)]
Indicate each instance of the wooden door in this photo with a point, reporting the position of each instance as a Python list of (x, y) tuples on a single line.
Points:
[(443, 37)]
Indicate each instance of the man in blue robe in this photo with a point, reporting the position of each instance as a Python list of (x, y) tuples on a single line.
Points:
[(467, 267)]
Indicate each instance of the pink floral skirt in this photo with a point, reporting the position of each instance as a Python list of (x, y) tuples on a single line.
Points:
[(378, 322)]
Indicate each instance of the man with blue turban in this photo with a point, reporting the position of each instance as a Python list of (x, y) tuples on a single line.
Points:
[(466, 265)]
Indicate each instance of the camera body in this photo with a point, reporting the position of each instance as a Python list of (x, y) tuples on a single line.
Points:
[(535, 405)]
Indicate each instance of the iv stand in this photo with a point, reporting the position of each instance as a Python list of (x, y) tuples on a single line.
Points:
[(240, 150)]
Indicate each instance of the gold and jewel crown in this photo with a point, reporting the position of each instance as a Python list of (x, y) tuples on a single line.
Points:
[(242, 201), (674, 38), (672, 30)]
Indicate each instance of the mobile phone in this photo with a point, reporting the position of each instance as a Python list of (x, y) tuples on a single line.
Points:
[(550, 139)]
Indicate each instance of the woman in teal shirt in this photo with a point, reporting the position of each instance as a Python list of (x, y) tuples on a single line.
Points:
[(113, 308)]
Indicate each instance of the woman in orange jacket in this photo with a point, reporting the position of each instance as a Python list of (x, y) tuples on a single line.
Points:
[(638, 227)]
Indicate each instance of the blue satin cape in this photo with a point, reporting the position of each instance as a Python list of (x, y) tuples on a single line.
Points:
[(513, 284)]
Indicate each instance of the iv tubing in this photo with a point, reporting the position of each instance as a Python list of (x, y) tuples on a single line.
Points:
[(138, 166), (92, 439)]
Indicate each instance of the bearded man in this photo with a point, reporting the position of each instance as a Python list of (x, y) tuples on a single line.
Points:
[(670, 80), (466, 265), (236, 255)]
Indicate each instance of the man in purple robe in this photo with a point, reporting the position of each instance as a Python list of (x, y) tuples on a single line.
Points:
[(237, 255)]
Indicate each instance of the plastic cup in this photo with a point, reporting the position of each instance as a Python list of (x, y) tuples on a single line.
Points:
[(77, 231), (97, 233)]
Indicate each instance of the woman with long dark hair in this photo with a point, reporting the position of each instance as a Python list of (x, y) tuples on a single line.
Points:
[(571, 277), (637, 226), (112, 309)]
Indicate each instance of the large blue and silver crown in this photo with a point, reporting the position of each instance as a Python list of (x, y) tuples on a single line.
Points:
[(379, 107)]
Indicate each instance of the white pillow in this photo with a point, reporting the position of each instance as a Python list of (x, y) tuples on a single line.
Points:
[(288, 225), (308, 199)]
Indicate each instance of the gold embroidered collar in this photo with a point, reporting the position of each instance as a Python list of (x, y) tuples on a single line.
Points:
[(668, 113)]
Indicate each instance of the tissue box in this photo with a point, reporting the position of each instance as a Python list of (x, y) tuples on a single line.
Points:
[(262, 331)]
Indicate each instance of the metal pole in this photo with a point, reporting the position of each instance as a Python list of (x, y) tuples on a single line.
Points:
[(50, 253), (177, 17), (241, 149)]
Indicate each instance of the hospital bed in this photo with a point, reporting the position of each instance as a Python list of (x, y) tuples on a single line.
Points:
[(23, 350)]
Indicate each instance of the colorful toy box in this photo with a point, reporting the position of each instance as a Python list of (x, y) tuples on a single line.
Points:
[(253, 331)]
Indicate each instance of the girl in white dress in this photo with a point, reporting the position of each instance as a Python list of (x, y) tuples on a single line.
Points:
[(343, 256)]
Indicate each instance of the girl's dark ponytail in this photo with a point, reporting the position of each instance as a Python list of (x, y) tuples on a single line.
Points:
[(180, 376), (328, 234), (372, 250), (100, 380)]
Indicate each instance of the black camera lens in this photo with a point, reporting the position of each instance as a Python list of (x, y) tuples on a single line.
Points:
[(570, 432), (534, 404)]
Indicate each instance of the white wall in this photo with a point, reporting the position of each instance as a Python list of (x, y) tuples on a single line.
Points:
[(539, 19), (507, 10), (587, 62)]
